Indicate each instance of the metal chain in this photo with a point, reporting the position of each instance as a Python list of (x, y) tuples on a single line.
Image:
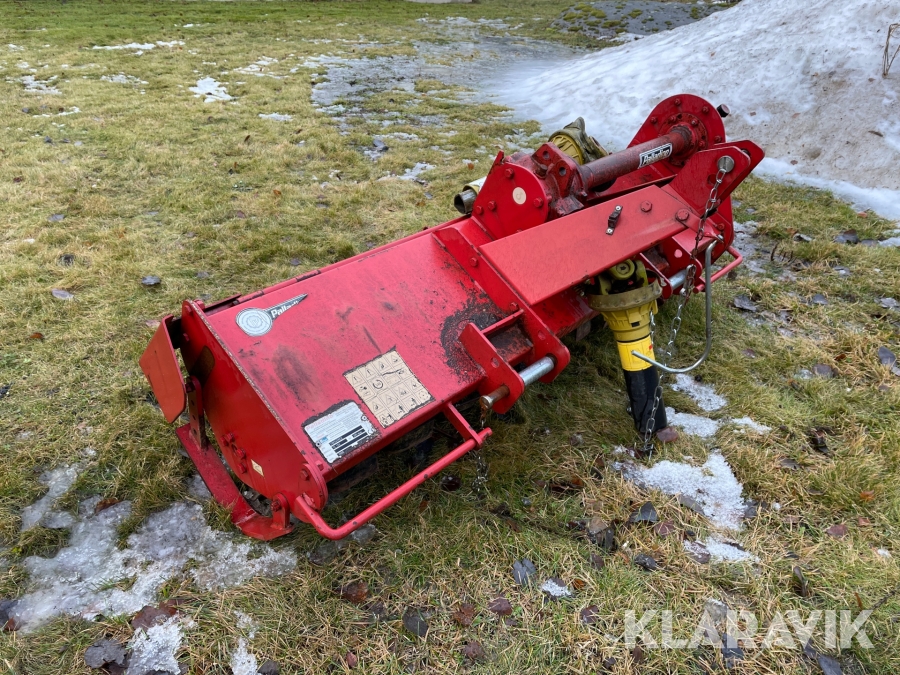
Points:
[(685, 293), (481, 472)]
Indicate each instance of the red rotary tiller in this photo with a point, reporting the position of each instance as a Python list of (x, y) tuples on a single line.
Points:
[(308, 379)]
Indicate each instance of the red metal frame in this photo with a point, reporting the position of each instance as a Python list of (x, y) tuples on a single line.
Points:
[(375, 346)]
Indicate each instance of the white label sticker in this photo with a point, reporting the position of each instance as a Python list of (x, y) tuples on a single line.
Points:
[(339, 432), (257, 468), (388, 387), (655, 155)]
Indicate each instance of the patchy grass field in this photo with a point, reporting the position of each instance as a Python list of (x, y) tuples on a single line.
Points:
[(113, 170)]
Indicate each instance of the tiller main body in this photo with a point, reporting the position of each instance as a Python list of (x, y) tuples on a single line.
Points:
[(305, 380)]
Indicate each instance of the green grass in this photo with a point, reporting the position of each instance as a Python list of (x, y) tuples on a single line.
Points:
[(164, 184)]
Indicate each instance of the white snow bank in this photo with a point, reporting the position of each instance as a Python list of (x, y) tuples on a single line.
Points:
[(882, 201), (713, 486), (92, 576), (803, 80)]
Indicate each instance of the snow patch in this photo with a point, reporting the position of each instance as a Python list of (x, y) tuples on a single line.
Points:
[(719, 550), (695, 425), (750, 424), (713, 486), (796, 76), (550, 587), (58, 482), (92, 576), (242, 661), (278, 117), (703, 394), (141, 48), (122, 78), (259, 68), (211, 89), (413, 173), (153, 650), (36, 86)]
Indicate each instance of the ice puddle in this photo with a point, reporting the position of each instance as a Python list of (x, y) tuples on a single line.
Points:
[(93, 576)]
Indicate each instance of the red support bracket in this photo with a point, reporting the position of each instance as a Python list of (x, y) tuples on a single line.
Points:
[(497, 371), (472, 439), (214, 473)]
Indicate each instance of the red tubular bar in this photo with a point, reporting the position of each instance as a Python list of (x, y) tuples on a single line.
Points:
[(323, 528), (609, 168), (738, 259)]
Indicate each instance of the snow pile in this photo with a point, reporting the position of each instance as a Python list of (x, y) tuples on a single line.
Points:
[(802, 79), (92, 576), (211, 89), (712, 486)]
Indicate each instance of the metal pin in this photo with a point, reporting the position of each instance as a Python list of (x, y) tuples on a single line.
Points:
[(725, 164)]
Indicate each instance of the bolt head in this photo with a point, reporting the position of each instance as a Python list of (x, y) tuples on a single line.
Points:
[(682, 215), (473, 261), (479, 210), (538, 202), (491, 205), (677, 101), (510, 172), (646, 206), (653, 120), (705, 110), (694, 123)]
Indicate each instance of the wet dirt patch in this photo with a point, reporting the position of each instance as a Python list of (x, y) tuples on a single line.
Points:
[(611, 18), (345, 83)]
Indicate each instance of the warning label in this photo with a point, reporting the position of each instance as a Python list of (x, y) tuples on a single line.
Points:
[(388, 387), (339, 432)]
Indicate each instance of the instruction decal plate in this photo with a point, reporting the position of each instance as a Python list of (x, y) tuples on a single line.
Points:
[(388, 387), (655, 155), (341, 430)]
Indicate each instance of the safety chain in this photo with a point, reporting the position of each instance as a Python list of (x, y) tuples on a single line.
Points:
[(481, 472), (685, 293)]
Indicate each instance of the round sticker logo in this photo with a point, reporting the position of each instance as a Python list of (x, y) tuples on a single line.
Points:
[(254, 322)]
